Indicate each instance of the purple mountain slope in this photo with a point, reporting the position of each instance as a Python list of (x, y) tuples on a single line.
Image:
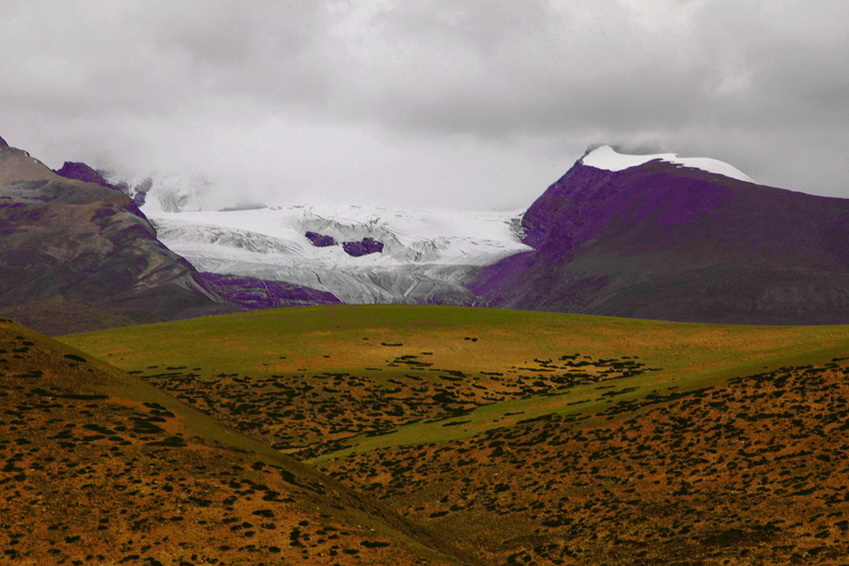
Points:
[(77, 255), (662, 241), (252, 293), (3, 143)]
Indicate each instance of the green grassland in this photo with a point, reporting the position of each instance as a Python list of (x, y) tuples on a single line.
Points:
[(372, 341)]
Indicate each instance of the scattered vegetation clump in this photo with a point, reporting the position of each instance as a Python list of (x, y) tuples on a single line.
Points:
[(698, 477)]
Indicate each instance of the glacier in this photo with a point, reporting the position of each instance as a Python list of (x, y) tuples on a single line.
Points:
[(425, 255), (428, 255)]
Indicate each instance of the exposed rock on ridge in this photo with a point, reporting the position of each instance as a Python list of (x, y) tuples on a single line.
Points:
[(363, 247), (82, 172), (320, 240)]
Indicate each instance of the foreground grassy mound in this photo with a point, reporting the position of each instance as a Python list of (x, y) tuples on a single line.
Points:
[(100, 467)]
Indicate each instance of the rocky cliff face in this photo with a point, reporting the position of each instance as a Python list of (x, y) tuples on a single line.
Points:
[(76, 253), (663, 241)]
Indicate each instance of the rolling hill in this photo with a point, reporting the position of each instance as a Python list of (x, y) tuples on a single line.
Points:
[(100, 467), (538, 438)]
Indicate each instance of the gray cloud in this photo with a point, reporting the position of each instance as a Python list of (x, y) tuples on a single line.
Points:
[(426, 102)]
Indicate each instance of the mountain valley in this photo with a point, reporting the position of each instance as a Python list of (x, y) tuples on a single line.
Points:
[(103, 468), (651, 236)]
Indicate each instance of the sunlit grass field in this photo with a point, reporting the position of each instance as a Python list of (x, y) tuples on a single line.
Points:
[(366, 339)]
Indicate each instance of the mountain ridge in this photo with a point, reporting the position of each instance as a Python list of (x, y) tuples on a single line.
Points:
[(661, 241), (77, 254), (647, 236)]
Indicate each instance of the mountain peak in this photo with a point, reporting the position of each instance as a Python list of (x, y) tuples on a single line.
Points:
[(605, 157)]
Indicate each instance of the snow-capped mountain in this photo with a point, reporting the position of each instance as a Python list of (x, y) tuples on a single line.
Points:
[(607, 158), (360, 254), (651, 236), (688, 239), (647, 236)]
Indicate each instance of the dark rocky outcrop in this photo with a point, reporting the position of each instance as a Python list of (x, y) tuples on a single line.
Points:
[(668, 242), (3, 143), (252, 293), (320, 240), (82, 172), (363, 247)]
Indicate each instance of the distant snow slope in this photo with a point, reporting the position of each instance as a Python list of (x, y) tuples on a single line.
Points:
[(605, 157), (428, 255)]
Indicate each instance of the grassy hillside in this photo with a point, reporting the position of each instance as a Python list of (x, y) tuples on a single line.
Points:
[(100, 467), (751, 472), (539, 438), (334, 377)]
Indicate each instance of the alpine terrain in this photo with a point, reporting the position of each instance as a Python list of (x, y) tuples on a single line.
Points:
[(77, 253), (667, 238)]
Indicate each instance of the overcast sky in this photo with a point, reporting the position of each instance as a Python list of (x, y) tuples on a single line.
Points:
[(461, 103)]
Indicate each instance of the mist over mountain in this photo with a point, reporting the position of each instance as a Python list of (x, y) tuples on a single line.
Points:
[(646, 236), (77, 253)]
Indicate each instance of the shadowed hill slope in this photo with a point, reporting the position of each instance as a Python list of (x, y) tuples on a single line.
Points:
[(101, 467), (662, 241)]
